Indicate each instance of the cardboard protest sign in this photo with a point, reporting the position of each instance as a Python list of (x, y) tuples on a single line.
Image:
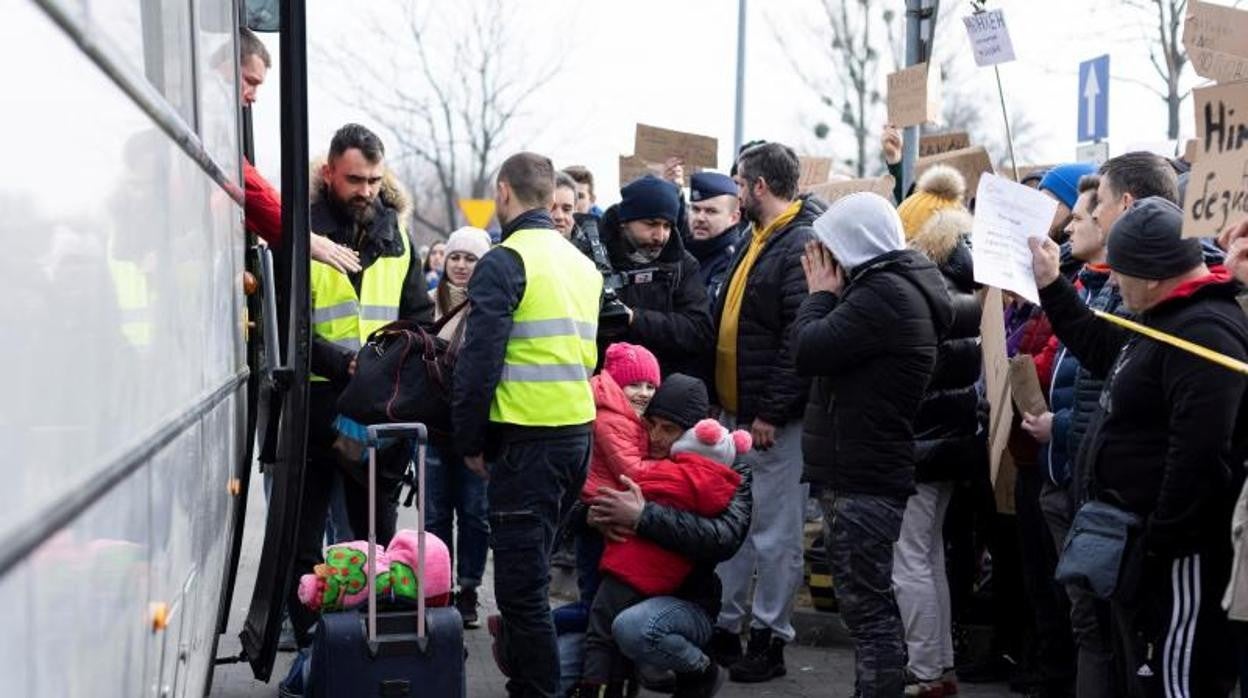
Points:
[(654, 144), (914, 96), (937, 143), (1217, 191), (1007, 214), (996, 377), (1189, 151), (829, 192), (633, 167), (1025, 386), (814, 171), (990, 39), (1216, 39), (971, 162)]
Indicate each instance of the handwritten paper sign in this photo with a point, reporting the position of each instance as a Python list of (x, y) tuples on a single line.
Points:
[(654, 144), (972, 162), (1216, 39), (633, 167), (990, 39), (831, 191), (1007, 214), (1217, 192), (937, 143), (814, 171), (914, 96), (996, 377)]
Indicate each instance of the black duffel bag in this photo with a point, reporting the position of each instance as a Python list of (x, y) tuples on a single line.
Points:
[(404, 374)]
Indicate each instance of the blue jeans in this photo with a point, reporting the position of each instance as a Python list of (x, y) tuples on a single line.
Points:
[(452, 491), (665, 633), (532, 484), (861, 530)]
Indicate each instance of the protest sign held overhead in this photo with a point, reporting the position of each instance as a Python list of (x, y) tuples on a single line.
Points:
[(971, 162), (937, 143), (633, 167), (654, 144), (990, 39), (1217, 191), (1007, 214), (831, 191), (1216, 39), (914, 96), (813, 171)]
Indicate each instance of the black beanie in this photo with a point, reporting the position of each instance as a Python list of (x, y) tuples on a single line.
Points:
[(650, 197), (1147, 242), (681, 399)]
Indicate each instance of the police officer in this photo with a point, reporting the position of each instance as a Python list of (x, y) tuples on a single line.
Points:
[(715, 227), (522, 393), (356, 202)]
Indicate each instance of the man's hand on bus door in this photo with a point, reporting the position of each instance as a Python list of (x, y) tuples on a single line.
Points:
[(477, 465), (340, 257)]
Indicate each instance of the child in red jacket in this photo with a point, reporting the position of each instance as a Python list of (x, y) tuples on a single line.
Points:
[(698, 477)]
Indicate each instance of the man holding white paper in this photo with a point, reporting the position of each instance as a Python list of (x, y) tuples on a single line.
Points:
[(1007, 214)]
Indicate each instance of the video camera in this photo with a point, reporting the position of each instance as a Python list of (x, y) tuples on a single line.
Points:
[(613, 318)]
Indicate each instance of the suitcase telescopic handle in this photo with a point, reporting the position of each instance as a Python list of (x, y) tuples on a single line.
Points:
[(396, 430)]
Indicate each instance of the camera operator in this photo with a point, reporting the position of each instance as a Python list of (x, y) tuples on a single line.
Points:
[(653, 293)]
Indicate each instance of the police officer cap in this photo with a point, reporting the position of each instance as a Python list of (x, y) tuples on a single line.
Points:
[(708, 185)]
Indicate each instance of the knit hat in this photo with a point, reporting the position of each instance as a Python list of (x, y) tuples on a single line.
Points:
[(940, 187), (709, 438), (474, 241), (630, 363), (858, 228), (649, 197), (681, 399), (1147, 242), (1063, 181)]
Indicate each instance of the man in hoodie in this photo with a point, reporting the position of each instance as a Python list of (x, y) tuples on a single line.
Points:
[(869, 335), (666, 307), (757, 386), (715, 227), (1166, 443)]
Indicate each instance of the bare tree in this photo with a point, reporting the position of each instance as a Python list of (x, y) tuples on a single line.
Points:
[(449, 96), (850, 51), (1166, 53)]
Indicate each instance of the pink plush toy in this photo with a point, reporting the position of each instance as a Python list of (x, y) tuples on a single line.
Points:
[(404, 550), (341, 582)]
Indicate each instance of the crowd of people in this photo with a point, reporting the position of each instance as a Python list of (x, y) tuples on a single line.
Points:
[(665, 383)]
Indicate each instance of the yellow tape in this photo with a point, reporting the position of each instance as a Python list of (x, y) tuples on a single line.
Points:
[(1177, 342)]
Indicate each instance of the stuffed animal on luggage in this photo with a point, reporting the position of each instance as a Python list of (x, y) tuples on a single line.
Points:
[(341, 582)]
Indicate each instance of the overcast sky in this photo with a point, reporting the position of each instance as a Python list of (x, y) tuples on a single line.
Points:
[(671, 63)]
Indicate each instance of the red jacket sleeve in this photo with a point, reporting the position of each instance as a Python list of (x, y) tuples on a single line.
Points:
[(263, 206)]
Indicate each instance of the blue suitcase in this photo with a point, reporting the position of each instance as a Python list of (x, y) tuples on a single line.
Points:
[(390, 653)]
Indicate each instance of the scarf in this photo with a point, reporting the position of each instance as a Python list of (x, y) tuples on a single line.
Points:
[(726, 346)]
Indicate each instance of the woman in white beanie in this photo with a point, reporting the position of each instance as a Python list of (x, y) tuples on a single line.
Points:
[(451, 491)]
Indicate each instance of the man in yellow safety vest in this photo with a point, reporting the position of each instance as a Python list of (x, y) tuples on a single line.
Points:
[(522, 395), (357, 203)]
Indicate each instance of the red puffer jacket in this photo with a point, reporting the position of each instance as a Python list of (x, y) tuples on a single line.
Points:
[(685, 481), (620, 439)]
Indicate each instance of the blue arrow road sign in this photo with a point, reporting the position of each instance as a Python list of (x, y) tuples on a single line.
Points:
[(1094, 99)]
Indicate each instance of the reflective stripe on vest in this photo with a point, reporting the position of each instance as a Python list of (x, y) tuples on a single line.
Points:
[(344, 319), (134, 301), (552, 348)]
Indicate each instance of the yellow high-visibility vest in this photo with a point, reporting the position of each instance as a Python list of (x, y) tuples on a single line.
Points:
[(134, 301), (346, 319), (553, 344)]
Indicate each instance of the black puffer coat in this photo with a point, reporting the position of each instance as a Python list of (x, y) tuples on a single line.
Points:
[(707, 542), (946, 444), (872, 351), (671, 313), (768, 385)]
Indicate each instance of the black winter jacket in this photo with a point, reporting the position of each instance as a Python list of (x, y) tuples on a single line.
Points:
[(768, 384), (872, 352), (705, 541), (1166, 443), (715, 257), (671, 313), (948, 443), (378, 238)]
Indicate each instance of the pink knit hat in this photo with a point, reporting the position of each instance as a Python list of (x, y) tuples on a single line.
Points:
[(630, 363)]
